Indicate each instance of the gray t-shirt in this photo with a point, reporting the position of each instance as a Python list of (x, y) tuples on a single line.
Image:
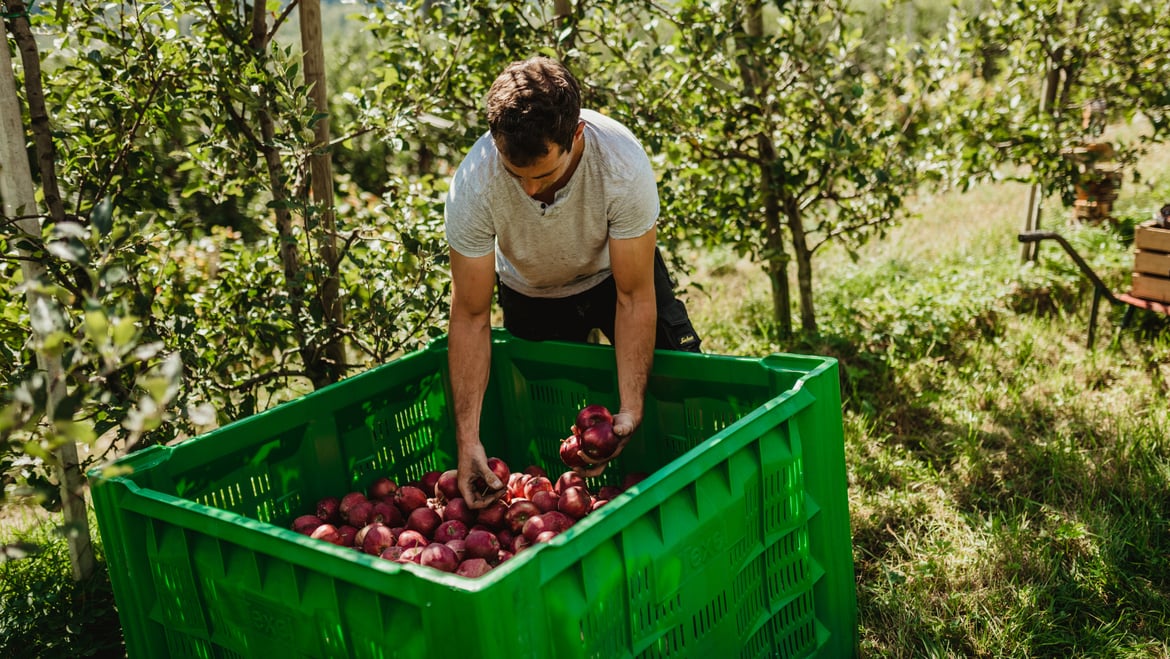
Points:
[(562, 248)]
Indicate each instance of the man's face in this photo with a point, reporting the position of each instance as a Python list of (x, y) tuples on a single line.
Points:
[(543, 173)]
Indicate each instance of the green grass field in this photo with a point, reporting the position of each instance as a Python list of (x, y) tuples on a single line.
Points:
[(1009, 487)]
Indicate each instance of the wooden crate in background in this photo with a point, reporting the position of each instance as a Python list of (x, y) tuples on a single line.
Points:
[(1151, 263)]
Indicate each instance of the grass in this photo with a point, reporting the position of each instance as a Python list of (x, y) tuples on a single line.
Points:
[(1009, 487), (44, 613)]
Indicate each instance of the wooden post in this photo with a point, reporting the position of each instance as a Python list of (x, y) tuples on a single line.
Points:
[(1048, 97), (321, 175), (1032, 221), (17, 192)]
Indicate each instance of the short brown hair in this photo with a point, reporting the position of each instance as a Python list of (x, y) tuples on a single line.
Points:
[(531, 103)]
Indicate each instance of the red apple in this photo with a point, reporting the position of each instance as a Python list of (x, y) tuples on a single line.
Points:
[(633, 478), (387, 514), (598, 441), (518, 513), (592, 415), (481, 544), (306, 524), (537, 484), (608, 492), (533, 527), (557, 521), (447, 487), (570, 447), (326, 532), (409, 498), (567, 480), (360, 537), (457, 509), (516, 484), (576, 502), (359, 513), (346, 535), (535, 470), (349, 501), (381, 488), (546, 500), (493, 516), (411, 554), (473, 567), (519, 543), (439, 556), (424, 520), (429, 480), (458, 546), (328, 509), (500, 469), (450, 530), (545, 536), (411, 538), (554, 521), (377, 538), (507, 538), (392, 553)]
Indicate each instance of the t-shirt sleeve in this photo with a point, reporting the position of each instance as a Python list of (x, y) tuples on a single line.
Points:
[(466, 218), (634, 211)]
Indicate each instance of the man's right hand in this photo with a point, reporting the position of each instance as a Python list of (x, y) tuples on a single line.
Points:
[(478, 484)]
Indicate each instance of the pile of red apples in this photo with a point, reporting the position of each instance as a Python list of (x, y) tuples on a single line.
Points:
[(428, 522)]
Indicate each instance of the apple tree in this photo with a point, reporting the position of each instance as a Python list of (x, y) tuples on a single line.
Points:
[(778, 134), (178, 233), (1046, 75)]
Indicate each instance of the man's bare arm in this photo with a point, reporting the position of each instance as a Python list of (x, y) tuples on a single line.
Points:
[(469, 361), (635, 323)]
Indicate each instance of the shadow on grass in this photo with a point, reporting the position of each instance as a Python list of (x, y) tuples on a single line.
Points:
[(1071, 526)]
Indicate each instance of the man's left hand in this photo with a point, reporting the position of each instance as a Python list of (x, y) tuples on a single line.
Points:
[(624, 424)]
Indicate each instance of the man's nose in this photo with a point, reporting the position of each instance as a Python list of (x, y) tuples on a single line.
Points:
[(531, 186)]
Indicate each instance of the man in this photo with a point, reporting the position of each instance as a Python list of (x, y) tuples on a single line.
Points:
[(557, 205)]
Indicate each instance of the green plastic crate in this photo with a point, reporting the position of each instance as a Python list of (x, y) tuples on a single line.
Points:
[(737, 545)]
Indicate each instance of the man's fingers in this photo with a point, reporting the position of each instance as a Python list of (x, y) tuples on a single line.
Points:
[(479, 500), (590, 472)]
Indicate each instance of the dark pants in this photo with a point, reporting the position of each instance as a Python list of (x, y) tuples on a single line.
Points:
[(573, 318)]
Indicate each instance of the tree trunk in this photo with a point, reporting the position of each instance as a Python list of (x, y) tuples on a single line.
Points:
[(321, 175), (16, 190), (804, 282), (38, 115), (775, 254), (289, 256), (777, 268)]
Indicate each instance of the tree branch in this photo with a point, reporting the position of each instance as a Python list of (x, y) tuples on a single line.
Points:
[(843, 230)]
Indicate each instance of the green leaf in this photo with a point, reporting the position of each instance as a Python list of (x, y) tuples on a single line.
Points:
[(102, 216), (97, 326), (124, 330), (68, 250)]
